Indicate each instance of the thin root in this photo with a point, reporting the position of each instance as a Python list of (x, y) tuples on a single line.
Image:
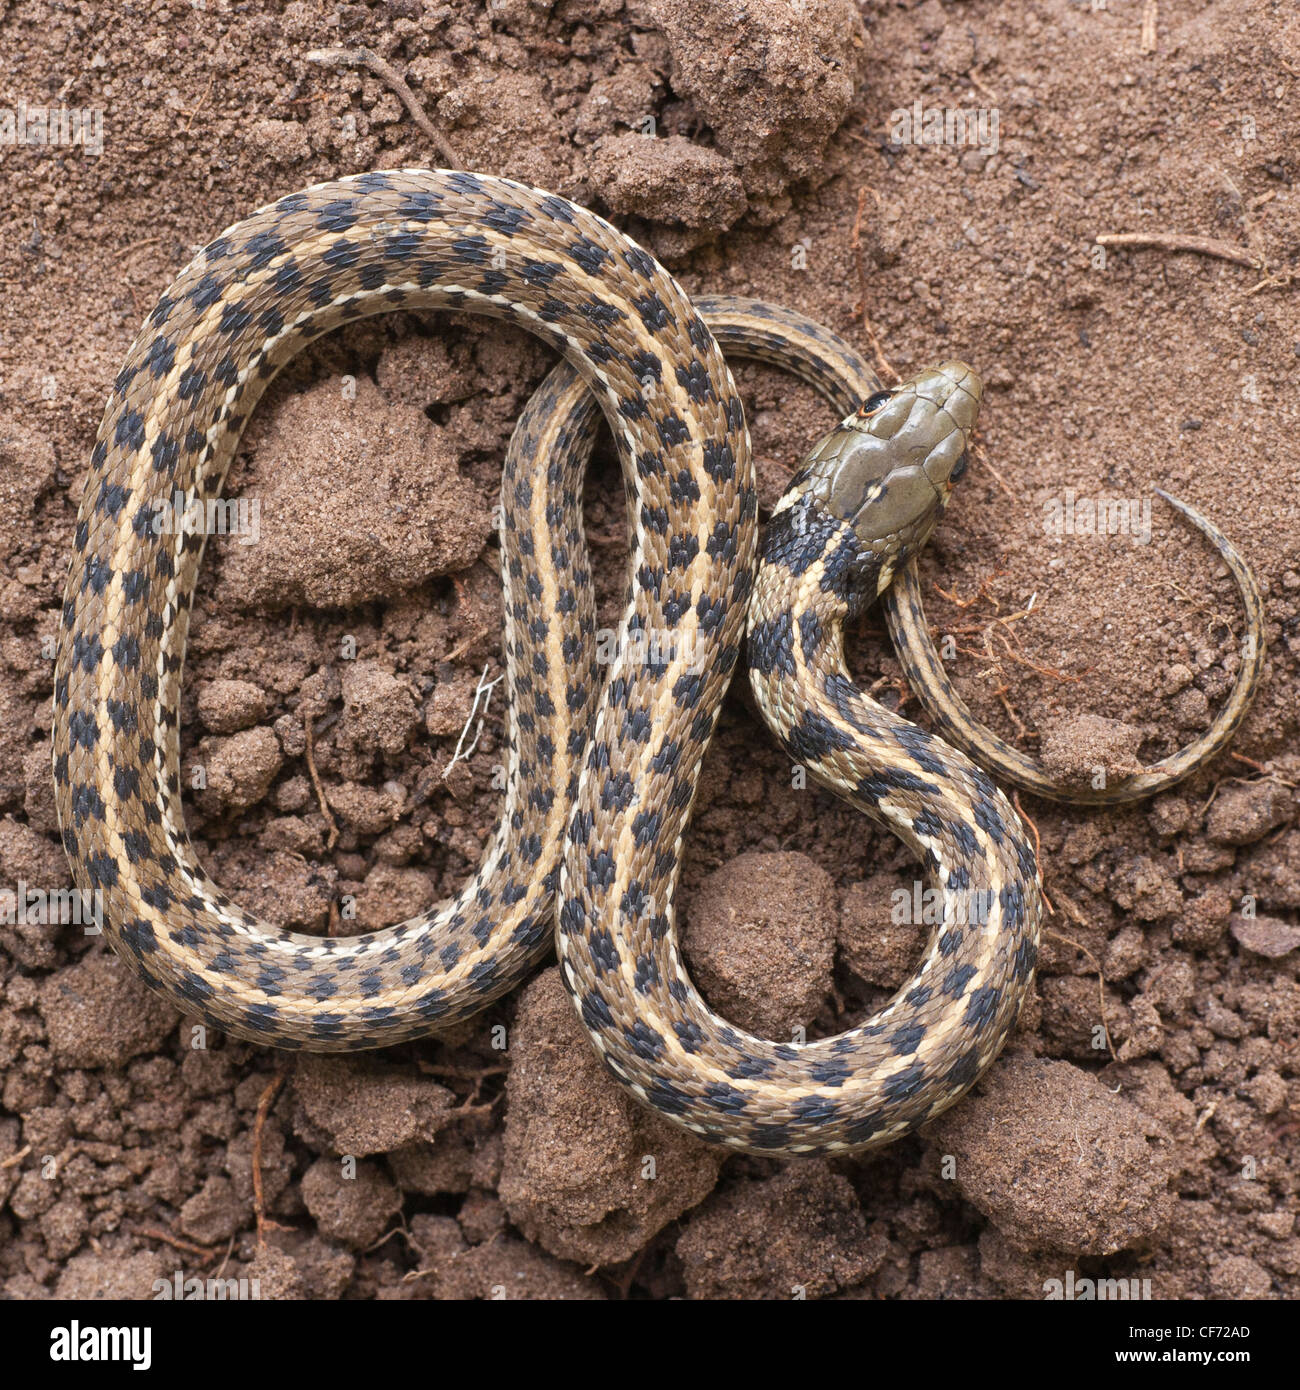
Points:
[(1101, 986), (259, 1123), (482, 692), (883, 366), (982, 458), (204, 1253), (1038, 846), (310, 753)]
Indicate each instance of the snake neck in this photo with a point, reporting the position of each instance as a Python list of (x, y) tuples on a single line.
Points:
[(805, 541), (814, 574), (940, 804)]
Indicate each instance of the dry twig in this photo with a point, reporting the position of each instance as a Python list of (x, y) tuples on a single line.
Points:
[(157, 1233), (982, 458), (386, 72), (1101, 986), (1181, 241)]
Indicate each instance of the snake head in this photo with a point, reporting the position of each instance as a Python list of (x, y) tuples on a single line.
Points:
[(888, 469)]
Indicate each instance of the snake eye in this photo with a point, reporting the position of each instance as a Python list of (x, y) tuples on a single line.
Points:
[(959, 467), (873, 403)]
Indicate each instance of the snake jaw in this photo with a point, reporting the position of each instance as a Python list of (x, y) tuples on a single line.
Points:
[(888, 469)]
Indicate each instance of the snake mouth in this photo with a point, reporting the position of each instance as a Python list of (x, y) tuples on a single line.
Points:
[(949, 398), (889, 468), (927, 422)]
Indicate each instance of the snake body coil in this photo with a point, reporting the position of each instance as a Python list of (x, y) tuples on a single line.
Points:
[(251, 299), (610, 799)]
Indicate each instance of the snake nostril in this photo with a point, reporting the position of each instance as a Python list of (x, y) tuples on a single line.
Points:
[(960, 466)]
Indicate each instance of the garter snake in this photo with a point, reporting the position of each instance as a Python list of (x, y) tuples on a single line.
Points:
[(602, 776)]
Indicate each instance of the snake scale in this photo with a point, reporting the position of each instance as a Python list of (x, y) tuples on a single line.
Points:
[(602, 775)]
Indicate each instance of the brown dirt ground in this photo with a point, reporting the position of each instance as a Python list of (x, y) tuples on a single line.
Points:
[(1161, 1146)]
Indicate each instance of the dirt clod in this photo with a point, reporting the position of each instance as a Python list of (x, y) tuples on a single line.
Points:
[(1243, 814), (1090, 750), (352, 1202), (1092, 1179), (798, 1234), (98, 1014), (1266, 936), (761, 939), (227, 706), (375, 482), (588, 1174), (367, 1109)]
